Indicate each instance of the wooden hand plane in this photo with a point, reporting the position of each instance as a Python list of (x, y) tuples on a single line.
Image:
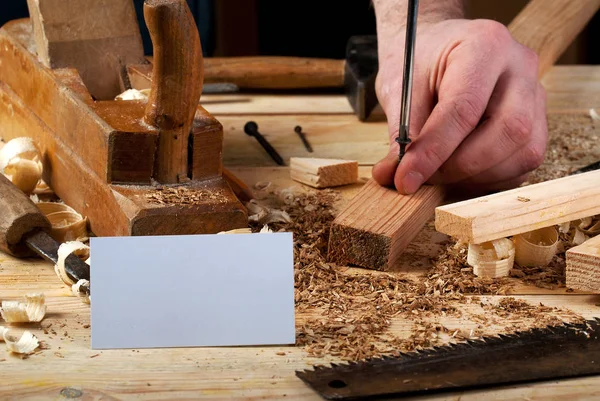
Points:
[(133, 167)]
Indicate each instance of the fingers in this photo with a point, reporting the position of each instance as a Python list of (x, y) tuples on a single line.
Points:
[(464, 92), (513, 117), (525, 159)]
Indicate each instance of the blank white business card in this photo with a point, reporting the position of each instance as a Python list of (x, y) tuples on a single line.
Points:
[(192, 290)]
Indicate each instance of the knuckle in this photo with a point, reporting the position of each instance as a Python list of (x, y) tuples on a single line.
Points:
[(494, 34), (534, 157), (434, 154), (517, 128), (468, 109), (531, 58)]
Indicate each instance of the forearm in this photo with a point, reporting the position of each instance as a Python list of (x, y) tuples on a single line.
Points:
[(391, 14)]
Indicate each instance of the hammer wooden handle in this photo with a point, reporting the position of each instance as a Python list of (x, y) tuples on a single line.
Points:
[(272, 72), (18, 217), (549, 26), (176, 83)]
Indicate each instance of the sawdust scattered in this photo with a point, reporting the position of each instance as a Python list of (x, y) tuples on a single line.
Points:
[(181, 196), (347, 313)]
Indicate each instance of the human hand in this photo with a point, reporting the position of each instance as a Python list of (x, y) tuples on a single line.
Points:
[(478, 115)]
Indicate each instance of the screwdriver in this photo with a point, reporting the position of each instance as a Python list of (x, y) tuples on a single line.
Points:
[(407, 78)]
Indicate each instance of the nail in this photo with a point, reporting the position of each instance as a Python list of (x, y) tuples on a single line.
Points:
[(302, 136), (251, 128), (411, 182)]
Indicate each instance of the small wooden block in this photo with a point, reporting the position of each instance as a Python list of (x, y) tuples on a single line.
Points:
[(583, 266), (522, 209), (323, 173), (378, 224)]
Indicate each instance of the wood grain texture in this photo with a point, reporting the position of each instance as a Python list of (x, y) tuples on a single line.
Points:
[(583, 266), (272, 72), (96, 37), (323, 173), (18, 216), (176, 84), (521, 209), (549, 26), (378, 224)]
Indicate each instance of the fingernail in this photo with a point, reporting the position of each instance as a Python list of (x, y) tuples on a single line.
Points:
[(411, 182)]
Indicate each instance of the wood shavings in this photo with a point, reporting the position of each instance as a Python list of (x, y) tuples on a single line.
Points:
[(31, 309), (536, 248), (181, 196), (349, 314), (594, 115), (25, 344), (20, 162), (67, 224), (492, 259), (2, 331), (64, 250), (78, 291), (134, 94), (245, 230), (258, 213)]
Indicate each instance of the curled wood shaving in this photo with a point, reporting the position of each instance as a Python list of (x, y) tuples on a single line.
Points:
[(20, 162), (64, 250), (67, 224), (594, 115), (492, 259), (2, 331), (25, 344), (536, 248), (264, 215), (31, 309), (134, 94), (78, 292), (246, 230)]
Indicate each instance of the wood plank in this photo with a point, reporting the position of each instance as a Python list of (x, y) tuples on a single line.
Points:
[(331, 137), (549, 26), (378, 224), (583, 266), (323, 173), (521, 209)]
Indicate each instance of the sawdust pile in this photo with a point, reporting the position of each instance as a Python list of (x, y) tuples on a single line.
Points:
[(347, 313), (181, 196)]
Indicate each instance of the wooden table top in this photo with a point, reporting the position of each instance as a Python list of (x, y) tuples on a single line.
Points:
[(70, 366)]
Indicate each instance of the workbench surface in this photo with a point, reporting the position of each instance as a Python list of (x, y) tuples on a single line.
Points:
[(67, 367)]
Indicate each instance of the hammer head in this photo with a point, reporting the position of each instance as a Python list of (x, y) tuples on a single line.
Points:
[(360, 73)]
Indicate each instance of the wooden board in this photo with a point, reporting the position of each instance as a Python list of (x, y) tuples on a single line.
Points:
[(522, 209), (331, 137), (323, 173), (378, 224), (583, 266)]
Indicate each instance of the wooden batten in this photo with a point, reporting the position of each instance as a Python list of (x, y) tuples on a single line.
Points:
[(323, 173), (583, 266), (521, 209), (378, 224)]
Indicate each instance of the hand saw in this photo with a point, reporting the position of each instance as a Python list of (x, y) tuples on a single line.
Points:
[(555, 352)]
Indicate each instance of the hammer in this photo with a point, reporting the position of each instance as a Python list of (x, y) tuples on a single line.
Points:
[(356, 73)]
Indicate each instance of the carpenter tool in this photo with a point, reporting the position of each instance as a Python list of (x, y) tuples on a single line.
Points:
[(138, 167), (24, 232), (355, 74), (564, 351), (403, 138), (302, 135), (251, 128)]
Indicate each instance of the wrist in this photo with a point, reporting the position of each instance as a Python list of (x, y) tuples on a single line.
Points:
[(390, 15)]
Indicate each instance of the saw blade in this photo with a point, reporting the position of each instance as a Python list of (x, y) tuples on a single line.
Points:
[(555, 352)]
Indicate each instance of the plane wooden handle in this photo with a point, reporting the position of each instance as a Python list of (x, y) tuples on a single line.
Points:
[(549, 26), (18, 216), (177, 80), (275, 72)]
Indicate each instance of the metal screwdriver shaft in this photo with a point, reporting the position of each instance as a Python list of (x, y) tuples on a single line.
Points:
[(411, 33)]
